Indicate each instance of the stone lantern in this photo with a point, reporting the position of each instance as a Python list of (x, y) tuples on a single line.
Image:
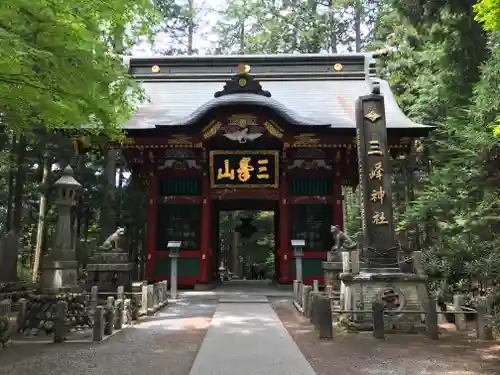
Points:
[(60, 267)]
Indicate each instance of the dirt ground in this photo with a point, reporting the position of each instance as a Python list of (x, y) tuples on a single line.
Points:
[(360, 353)]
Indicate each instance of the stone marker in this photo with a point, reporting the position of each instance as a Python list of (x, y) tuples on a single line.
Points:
[(60, 329), (120, 292), (306, 290), (431, 320), (324, 316), (144, 299), (98, 328), (460, 321), (110, 317), (378, 319), (484, 328)]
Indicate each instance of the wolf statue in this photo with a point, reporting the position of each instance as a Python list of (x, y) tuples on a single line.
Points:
[(341, 242), (113, 241)]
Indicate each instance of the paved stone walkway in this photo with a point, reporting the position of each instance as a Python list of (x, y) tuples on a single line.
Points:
[(248, 339)]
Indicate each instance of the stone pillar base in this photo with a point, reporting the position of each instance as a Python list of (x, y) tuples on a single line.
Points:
[(59, 276), (399, 291)]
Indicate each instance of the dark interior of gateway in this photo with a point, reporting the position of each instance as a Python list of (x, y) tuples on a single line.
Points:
[(245, 238)]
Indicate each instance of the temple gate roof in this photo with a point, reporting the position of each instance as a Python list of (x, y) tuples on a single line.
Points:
[(307, 90)]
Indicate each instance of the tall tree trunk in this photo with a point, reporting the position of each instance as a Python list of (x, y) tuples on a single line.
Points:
[(333, 28), (190, 27), (242, 37), (9, 244), (108, 219), (20, 181), (10, 197), (42, 213), (358, 10), (81, 254)]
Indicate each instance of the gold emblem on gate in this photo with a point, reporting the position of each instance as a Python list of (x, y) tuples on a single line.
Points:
[(372, 115)]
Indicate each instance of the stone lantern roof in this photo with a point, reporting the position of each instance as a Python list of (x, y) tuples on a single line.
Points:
[(67, 179)]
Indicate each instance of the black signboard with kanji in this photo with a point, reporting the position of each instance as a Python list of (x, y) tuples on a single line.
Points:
[(244, 169), (379, 245)]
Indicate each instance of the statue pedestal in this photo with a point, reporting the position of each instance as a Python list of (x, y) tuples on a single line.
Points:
[(59, 276), (110, 269), (399, 291), (332, 271)]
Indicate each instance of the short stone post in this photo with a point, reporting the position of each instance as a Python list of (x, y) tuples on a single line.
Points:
[(166, 291), (460, 321), (346, 262), (94, 297), (324, 316), (329, 290), (127, 311), (156, 295), (314, 309), (296, 290), (484, 328), (174, 249), (98, 327), (298, 268), (431, 319), (378, 319), (21, 316), (417, 262), (120, 292), (355, 262), (174, 258), (316, 285), (144, 300), (5, 310), (306, 291), (110, 316), (60, 329), (119, 318), (151, 302)]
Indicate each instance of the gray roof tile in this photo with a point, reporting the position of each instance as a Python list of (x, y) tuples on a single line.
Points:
[(302, 102)]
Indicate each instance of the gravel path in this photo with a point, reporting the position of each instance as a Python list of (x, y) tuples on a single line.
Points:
[(361, 354), (164, 344)]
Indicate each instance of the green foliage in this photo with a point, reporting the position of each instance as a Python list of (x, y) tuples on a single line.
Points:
[(488, 13), (60, 64)]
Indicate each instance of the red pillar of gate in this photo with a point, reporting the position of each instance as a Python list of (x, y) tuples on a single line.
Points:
[(337, 198), (284, 230), (151, 227), (205, 240)]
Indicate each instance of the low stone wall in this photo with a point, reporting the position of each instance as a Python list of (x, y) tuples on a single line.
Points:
[(57, 315), (317, 307)]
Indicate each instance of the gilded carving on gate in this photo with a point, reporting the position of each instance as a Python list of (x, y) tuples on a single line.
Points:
[(273, 129)]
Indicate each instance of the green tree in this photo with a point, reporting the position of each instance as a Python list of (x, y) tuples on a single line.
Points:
[(59, 64)]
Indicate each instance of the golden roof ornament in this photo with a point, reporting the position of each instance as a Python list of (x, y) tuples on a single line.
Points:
[(244, 68)]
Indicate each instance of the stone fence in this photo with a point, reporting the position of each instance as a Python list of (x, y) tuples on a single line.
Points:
[(317, 306), (60, 314)]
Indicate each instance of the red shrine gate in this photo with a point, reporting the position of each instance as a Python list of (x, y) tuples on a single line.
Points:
[(292, 153)]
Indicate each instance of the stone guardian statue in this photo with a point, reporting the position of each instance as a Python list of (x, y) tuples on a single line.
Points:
[(113, 241), (341, 242)]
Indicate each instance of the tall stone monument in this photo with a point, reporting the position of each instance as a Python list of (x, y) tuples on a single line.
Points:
[(380, 276), (60, 267)]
